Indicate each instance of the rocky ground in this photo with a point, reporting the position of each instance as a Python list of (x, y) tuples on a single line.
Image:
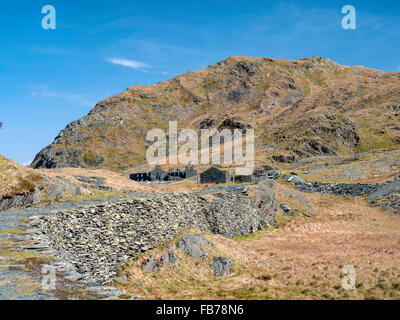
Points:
[(23, 259), (134, 244), (301, 259), (99, 239)]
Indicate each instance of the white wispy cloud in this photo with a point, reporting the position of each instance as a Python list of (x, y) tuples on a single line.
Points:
[(128, 63)]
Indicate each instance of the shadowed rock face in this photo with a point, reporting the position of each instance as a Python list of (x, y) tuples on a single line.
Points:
[(31, 197), (299, 108)]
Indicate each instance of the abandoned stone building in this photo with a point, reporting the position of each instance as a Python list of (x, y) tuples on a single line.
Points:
[(241, 175), (215, 175), (159, 174), (211, 175)]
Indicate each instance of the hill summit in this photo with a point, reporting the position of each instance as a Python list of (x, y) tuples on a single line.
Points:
[(298, 108)]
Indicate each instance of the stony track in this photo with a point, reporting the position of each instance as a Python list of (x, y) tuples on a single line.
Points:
[(22, 260)]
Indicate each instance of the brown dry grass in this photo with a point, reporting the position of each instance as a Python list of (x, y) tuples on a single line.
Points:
[(120, 182), (112, 179), (305, 255), (16, 179)]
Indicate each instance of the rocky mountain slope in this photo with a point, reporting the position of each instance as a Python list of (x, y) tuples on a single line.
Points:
[(298, 108)]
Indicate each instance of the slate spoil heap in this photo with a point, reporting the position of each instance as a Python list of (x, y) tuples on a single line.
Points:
[(98, 240)]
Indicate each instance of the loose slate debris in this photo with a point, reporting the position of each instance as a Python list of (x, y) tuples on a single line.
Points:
[(349, 189), (97, 240)]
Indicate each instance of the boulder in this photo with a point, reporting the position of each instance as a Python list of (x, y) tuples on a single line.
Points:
[(222, 266), (198, 240), (191, 249), (151, 265), (56, 192), (169, 258), (37, 196)]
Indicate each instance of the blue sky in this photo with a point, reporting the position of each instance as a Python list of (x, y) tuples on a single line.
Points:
[(51, 77)]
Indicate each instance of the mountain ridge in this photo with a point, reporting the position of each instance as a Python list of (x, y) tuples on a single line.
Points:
[(299, 108)]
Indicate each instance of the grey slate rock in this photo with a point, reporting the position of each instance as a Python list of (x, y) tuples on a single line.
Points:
[(18, 200), (190, 249), (151, 265), (56, 192), (37, 196), (287, 211), (222, 266), (169, 258), (198, 240), (173, 259), (385, 190), (349, 189)]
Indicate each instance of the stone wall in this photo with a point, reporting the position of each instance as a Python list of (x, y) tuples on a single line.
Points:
[(349, 189), (98, 240)]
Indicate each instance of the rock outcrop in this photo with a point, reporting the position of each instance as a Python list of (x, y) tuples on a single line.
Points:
[(385, 195), (222, 266), (191, 243), (17, 200)]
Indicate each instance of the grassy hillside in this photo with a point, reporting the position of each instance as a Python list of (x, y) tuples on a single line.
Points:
[(302, 259), (16, 179), (299, 109)]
